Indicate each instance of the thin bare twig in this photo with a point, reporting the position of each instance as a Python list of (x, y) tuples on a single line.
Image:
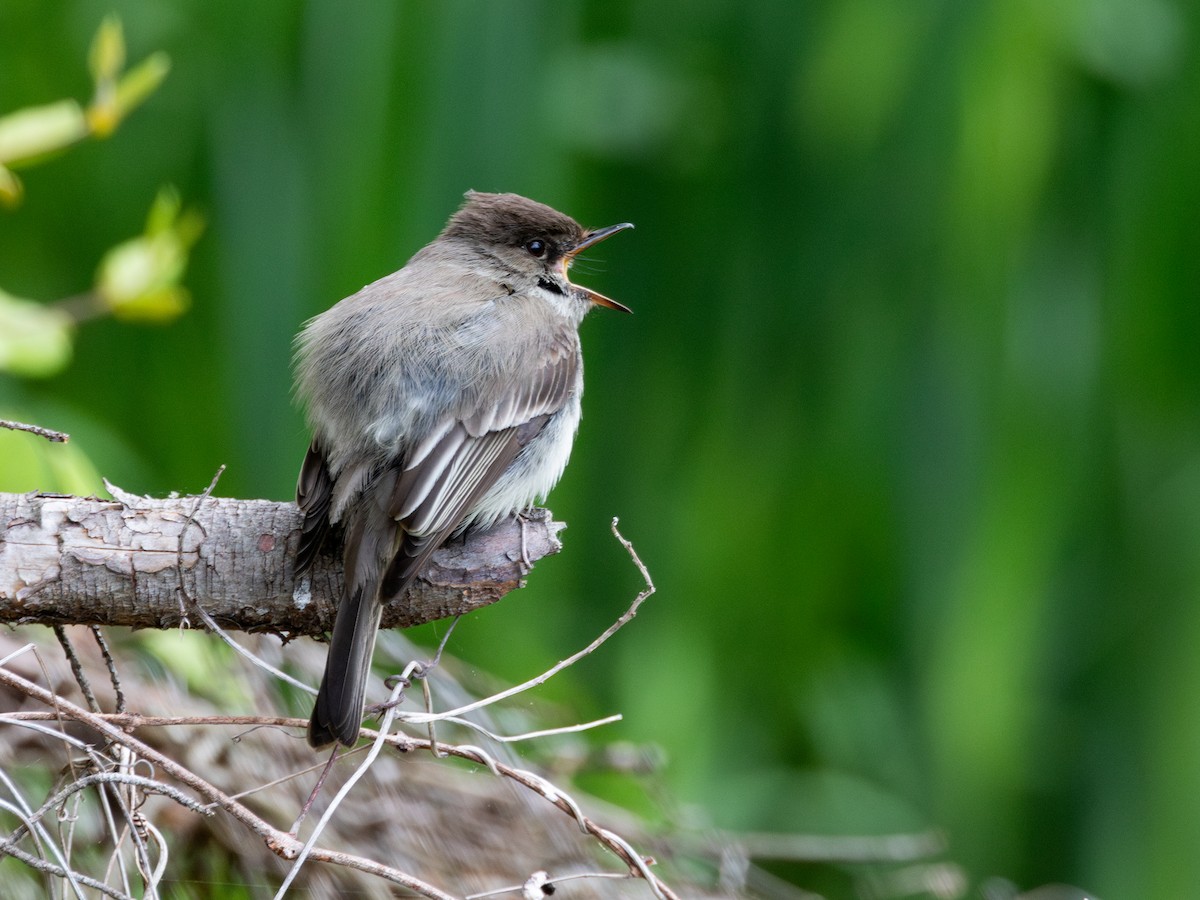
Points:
[(113, 677), (541, 884), (415, 669), (24, 648), (76, 668), (58, 437), (412, 671), (539, 785), (419, 671), (141, 853), (138, 720), (625, 619), (148, 784), (530, 735), (610, 840), (42, 837), (76, 878), (344, 792), (211, 624), (279, 842), (188, 521), (286, 845)]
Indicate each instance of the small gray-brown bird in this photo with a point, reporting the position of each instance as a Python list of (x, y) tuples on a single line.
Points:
[(443, 396)]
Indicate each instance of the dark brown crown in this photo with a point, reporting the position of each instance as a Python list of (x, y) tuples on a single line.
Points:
[(510, 219)]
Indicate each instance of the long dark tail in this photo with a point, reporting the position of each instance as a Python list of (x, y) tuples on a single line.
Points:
[(381, 562), (338, 712), (337, 715)]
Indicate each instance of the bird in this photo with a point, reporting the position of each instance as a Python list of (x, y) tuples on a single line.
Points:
[(442, 397)]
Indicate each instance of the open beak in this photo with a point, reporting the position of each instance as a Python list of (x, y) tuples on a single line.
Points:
[(595, 237)]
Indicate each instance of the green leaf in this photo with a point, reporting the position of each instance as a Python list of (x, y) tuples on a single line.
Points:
[(106, 58), (140, 278), (37, 131), (163, 211), (140, 82), (35, 340)]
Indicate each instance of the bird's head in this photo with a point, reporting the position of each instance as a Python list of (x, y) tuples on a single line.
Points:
[(529, 240)]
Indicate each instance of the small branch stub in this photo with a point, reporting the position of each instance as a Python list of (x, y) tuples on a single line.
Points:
[(49, 434), (139, 561)]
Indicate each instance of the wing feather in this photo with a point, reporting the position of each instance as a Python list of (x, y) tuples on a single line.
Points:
[(314, 489), (444, 479), (438, 484)]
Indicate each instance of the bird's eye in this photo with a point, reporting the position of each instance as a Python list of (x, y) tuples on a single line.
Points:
[(536, 248)]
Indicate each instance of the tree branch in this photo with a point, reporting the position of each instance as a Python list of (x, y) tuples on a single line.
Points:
[(49, 434), (140, 562)]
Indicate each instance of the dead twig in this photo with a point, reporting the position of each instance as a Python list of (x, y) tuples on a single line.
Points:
[(76, 668), (111, 665), (114, 728), (147, 784), (58, 437), (75, 878), (625, 619), (279, 842)]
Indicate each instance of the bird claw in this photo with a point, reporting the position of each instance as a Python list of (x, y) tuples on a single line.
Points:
[(524, 517)]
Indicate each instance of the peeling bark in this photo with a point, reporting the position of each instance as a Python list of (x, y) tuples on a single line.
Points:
[(142, 562)]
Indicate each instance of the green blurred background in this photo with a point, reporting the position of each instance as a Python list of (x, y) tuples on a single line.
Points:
[(906, 425)]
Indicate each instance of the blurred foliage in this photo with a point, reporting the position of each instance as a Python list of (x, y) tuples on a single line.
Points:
[(29, 135), (138, 279), (906, 424)]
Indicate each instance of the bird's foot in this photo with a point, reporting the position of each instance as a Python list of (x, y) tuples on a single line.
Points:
[(524, 517)]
